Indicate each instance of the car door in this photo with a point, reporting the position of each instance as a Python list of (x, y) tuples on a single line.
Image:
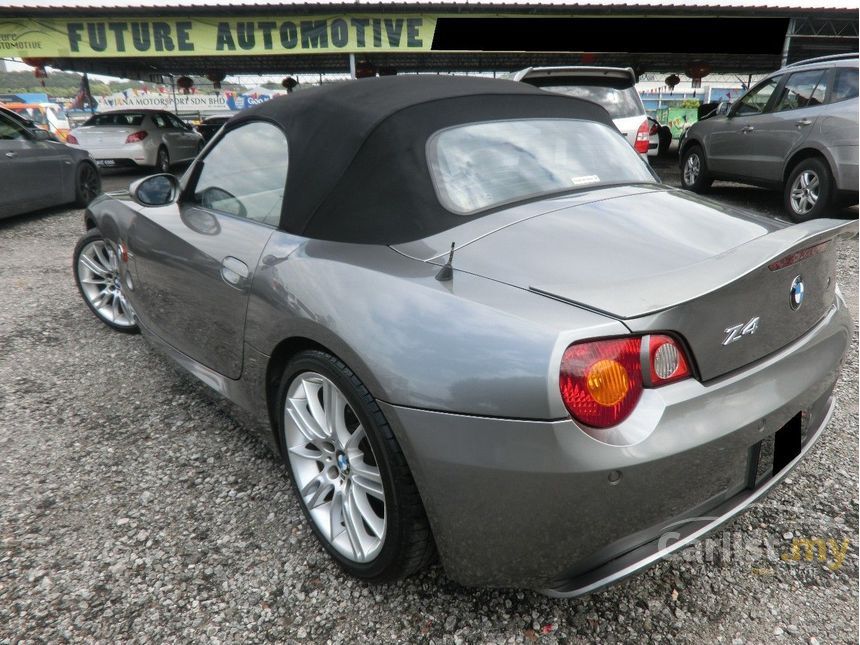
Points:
[(732, 145), (186, 138), (31, 172), (168, 134), (793, 115), (195, 260)]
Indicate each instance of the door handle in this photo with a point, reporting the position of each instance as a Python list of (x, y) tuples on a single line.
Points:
[(803, 122), (234, 272), (11, 155), (747, 129)]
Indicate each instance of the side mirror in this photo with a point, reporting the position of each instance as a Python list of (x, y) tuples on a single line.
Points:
[(723, 108), (155, 190), (42, 135)]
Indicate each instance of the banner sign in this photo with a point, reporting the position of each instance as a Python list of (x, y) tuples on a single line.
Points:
[(161, 99), (140, 37)]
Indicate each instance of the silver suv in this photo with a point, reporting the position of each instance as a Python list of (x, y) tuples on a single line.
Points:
[(796, 130)]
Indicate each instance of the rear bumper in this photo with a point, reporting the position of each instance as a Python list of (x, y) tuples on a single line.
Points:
[(540, 503), (133, 154)]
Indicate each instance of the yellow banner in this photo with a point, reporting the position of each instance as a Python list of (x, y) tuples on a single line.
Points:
[(136, 37)]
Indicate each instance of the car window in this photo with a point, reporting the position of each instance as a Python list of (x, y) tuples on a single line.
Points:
[(755, 101), (803, 89), (481, 165), (245, 173), (11, 130), (116, 118), (175, 122), (620, 102), (845, 84)]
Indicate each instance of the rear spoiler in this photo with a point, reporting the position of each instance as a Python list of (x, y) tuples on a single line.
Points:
[(631, 299)]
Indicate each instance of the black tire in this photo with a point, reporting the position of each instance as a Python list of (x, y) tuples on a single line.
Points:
[(88, 184), (162, 160), (823, 190), (94, 235), (408, 544), (664, 137), (701, 180)]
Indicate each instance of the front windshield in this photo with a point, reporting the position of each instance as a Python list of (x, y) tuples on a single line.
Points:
[(481, 165)]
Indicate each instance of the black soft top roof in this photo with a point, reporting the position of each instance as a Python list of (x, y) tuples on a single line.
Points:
[(357, 163)]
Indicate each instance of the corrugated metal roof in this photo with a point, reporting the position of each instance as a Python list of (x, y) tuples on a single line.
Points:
[(482, 5)]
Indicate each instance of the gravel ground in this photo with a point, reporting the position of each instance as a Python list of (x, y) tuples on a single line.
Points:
[(133, 508)]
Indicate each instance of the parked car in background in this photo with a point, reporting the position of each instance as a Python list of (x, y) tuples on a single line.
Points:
[(659, 137), (47, 116), (550, 366), (128, 138), (795, 130), (613, 88), (27, 123), (209, 125), (37, 172)]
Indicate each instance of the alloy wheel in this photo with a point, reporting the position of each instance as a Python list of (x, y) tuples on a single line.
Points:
[(98, 274), (334, 467), (805, 192), (163, 161), (692, 168), (89, 183)]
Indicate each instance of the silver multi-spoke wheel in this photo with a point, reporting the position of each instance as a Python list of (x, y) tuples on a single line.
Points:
[(805, 191), (99, 278), (334, 467), (692, 169)]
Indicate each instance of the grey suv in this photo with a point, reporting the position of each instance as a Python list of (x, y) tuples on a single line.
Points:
[(796, 130)]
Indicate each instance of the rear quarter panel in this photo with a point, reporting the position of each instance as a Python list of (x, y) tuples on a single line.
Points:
[(469, 345)]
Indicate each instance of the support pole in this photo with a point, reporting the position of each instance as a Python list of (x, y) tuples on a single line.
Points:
[(352, 66), (173, 89), (786, 45)]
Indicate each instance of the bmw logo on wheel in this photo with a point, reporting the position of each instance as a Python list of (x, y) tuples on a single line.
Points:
[(795, 295)]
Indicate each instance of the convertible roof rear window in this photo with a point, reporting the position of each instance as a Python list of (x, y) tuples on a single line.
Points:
[(483, 165)]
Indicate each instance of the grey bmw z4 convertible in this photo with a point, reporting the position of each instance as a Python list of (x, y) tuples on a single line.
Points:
[(473, 322)]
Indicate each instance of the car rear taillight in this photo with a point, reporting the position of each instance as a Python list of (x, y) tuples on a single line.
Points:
[(136, 136), (797, 256), (601, 381), (71, 139), (653, 130), (666, 361), (641, 145)]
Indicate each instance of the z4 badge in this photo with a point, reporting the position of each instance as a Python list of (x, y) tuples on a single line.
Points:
[(737, 332)]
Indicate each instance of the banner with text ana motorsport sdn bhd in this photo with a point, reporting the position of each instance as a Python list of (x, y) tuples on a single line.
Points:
[(214, 36)]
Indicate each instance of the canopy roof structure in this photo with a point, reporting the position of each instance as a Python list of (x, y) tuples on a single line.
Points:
[(143, 38)]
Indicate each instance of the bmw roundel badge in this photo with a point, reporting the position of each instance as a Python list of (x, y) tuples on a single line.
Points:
[(795, 295)]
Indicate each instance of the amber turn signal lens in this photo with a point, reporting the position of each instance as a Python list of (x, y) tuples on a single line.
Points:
[(607, 382)]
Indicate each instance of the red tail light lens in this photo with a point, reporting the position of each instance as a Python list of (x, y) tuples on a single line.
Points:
[(601, 381), (137, 136), (797, 256), (71, 139), (641, 144), (653, 129)]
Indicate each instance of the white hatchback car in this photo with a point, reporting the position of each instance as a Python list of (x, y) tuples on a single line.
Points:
[(128, 138), (613, 88)]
